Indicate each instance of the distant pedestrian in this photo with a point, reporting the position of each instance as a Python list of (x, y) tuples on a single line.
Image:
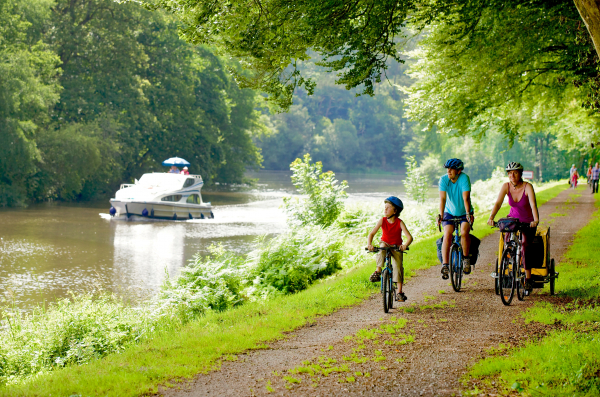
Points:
[(595, 177), (574, 178), (588, 176), (573, 169)]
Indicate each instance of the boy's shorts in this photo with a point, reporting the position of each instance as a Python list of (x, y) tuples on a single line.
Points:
[(398, 276), (463, 218)]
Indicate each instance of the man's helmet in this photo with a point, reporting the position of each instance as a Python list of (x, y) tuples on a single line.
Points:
[(457, 164), (396, 202), (512, 166)]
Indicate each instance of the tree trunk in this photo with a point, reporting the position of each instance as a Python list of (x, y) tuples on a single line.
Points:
[(590, 13)]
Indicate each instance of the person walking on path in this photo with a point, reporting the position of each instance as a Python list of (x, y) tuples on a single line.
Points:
[(595, 176), (574, 178), (588, 176), (571, 171)]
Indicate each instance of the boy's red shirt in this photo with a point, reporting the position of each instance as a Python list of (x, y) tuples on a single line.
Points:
[(392, 232)]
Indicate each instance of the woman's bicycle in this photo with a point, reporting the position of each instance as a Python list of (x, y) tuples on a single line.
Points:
[(456, 254), (510, 275), (388, 286)]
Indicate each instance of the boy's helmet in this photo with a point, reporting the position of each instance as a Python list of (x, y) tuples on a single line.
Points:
[(396, 202), (457, 164), (512, 166)]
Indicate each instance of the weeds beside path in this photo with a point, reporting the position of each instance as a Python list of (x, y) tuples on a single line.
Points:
[(361, 350)]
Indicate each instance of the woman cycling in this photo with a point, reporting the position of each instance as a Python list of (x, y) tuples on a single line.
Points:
[(523, 207)]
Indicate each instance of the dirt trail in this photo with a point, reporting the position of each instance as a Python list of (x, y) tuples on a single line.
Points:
[(447, 340)]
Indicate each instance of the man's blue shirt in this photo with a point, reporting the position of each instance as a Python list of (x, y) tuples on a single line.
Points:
[(455, 204)]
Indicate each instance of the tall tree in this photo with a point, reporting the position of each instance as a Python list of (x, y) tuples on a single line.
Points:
[(28, 87)]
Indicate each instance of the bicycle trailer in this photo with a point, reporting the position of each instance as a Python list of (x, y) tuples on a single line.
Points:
[(538, 256)]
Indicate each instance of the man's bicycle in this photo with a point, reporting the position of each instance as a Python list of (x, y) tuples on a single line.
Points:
[(388, 286), (456, 254), (510, 275)]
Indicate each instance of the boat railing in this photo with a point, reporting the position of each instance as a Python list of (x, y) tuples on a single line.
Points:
[(124, 185)]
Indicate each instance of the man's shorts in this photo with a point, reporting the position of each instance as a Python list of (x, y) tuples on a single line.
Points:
[(463, 218)]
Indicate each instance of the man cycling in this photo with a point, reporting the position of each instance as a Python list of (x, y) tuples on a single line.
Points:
[(455, 202)]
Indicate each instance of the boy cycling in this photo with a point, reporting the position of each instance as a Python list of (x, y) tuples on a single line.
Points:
[(455, 202), (392, 228)]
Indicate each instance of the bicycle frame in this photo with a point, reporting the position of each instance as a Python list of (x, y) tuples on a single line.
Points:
[(511, 267), (387, 276), (456, 255)]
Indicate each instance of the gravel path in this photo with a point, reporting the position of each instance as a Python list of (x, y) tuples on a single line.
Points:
[(425, 357)]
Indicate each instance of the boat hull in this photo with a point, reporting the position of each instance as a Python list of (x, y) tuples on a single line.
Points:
[(161, 210)]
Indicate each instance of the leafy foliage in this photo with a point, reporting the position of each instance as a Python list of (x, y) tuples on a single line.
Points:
[(323, 202), (292, 261), (415, 183), (28, 87), (510, 67), (68, 332), (270, 37), (94, 93)]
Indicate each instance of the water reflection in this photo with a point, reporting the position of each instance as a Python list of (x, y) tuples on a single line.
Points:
[(143, 252)]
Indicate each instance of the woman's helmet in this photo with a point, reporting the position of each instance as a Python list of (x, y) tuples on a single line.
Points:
[(457, 164), (396, 202), (512, 166)]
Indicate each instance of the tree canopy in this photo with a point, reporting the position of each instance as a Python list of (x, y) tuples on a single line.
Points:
[(356, 38), (93, 93)]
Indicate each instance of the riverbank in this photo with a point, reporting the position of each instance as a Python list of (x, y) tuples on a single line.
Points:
[(203, 344), (563, 359)]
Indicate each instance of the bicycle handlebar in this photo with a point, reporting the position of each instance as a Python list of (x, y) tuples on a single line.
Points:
[(394, 248), (455, 220), (520, 224)]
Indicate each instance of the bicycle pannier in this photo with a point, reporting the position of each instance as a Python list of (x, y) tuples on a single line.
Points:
[(474, 249), (438, 244), (508, 225)]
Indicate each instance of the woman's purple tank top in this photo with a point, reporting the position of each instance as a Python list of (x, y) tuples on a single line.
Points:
[(521, 210)]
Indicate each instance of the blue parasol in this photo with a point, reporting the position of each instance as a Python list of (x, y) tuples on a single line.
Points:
[(178, 161)]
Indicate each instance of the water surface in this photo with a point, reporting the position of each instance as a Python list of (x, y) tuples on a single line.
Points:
[(48, 250)]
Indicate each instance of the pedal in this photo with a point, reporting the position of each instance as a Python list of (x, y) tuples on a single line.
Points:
[(494, 275)]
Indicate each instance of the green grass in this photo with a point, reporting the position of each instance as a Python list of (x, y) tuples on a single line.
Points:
[(567, 361), (201, 345)]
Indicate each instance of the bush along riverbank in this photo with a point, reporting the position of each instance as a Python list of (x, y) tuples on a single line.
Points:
[(566, 361), (218, 306)]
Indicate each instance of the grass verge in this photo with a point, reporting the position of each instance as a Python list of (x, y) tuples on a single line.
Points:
[(566, 362), (202, 345)]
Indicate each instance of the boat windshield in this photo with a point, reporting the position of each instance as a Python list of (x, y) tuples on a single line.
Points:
[(162, 180)]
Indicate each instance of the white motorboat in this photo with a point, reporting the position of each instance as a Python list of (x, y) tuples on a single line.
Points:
[(162, 196)]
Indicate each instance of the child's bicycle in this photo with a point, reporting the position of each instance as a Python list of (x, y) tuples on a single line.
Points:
[(456, 254), (388, 286)]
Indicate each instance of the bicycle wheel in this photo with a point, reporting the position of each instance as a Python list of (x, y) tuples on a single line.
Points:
[(552, 276), (386, 291), (496, 280), (507, 277), (520, 281), (455, 267)]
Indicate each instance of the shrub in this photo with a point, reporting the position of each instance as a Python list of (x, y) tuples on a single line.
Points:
[(291, 262), (71, 331), (415, 183), (323, 203), (209, 283)]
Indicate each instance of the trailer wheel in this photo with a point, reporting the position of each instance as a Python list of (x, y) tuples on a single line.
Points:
[(552, 276)]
